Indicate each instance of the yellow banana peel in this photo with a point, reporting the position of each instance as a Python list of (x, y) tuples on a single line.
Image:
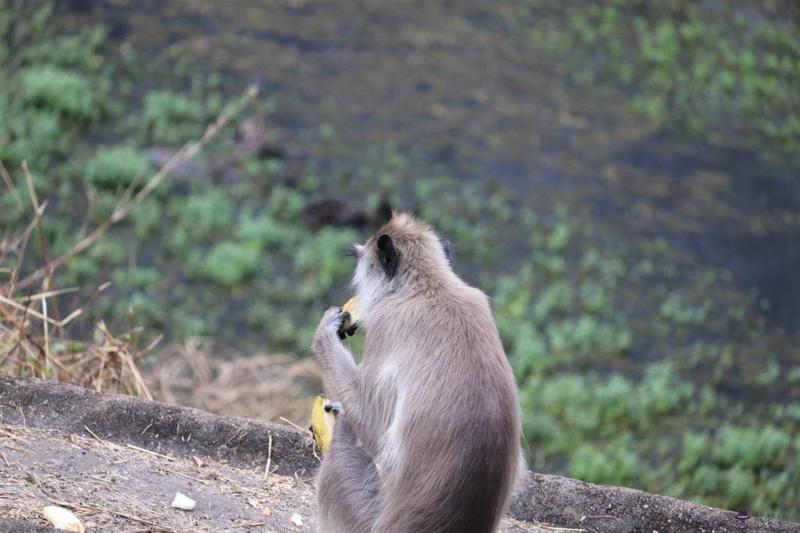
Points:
[(323, 418), (351, 306), (349, 325)]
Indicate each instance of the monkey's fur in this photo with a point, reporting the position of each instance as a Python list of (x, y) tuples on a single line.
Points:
[(428, 439)]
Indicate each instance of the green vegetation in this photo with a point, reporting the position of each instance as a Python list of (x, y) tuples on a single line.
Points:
[(634, 367), (726, 71), (172, 118), (117, 168), (662, 428)]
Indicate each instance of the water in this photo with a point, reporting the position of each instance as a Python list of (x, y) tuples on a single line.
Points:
[(459, 86)]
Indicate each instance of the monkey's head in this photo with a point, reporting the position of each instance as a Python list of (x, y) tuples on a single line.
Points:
[(404, 252)]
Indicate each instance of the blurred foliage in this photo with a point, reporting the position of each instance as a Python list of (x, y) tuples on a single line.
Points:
[(117, 168), (172, 118), (726, 70), (629, 371), (567, 321)]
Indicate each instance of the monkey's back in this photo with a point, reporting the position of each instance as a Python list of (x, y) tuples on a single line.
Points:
[(459, 422)]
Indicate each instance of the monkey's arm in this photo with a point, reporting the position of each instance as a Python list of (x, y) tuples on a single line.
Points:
[(341, 372)]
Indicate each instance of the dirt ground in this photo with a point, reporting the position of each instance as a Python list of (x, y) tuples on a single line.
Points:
[(118, 461), (113, 487)]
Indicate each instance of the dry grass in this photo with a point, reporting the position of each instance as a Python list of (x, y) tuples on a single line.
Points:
[(109, 365), (268, 386), (35, 340)]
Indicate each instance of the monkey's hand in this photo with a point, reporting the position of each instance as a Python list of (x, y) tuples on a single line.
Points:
[(341, 374), (327, 337)]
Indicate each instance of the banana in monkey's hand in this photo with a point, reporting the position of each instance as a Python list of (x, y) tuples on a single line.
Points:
[(323, 418), (350, 324)]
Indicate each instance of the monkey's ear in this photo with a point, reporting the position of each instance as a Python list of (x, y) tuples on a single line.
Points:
[(388, 255), (449, 250)]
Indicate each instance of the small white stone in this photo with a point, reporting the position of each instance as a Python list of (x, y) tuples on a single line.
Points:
[(296, 519), (183, 502)]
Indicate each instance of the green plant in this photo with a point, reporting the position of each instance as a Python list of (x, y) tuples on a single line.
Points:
[(64, 92), (229, 264), (117, 168), (173, 118), (722, 71)]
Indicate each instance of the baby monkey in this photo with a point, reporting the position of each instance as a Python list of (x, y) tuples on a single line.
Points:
[(429, 433)]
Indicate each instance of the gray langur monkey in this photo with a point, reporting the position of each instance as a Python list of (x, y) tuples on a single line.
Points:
[(429, 435)]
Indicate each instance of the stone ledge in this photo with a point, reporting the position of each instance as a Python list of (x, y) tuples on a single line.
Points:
[(243, 442)]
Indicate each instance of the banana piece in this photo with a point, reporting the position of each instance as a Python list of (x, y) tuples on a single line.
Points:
[(349, 326), (323, 418)]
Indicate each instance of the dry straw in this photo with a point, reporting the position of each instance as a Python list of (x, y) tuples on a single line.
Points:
[(34, 338)]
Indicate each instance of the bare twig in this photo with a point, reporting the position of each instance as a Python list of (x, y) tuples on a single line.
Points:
[(48, 273), (47, 294), (12, 303), (10, 184), (556, 528), (46, 338), (149, 452), (101, 441), (22, 243), (269, 457), (293, 424), (70, 317), (124, 207)]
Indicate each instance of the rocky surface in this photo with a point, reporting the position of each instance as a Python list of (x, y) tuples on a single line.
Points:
[(117, 462)]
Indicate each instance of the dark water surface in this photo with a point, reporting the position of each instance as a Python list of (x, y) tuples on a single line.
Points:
[(458, 87)]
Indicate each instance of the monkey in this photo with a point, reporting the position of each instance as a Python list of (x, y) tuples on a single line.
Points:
[(428, 438)]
